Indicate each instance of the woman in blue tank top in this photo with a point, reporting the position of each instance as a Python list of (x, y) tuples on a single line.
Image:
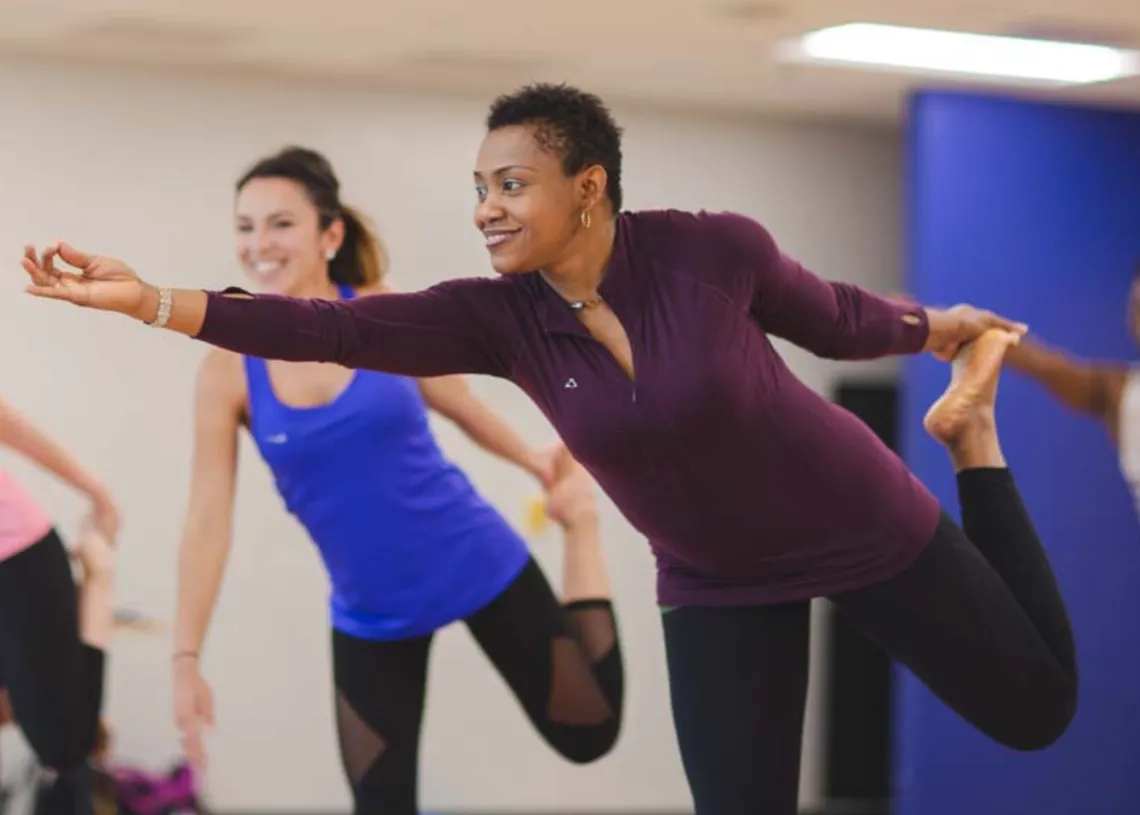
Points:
[(408, 543)]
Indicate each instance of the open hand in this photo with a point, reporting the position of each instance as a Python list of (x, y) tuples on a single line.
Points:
[(100, 282)]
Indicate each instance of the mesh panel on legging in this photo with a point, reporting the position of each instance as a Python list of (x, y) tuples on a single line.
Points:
[(577, 693), (379, 704), (563, 663), (360, 745)]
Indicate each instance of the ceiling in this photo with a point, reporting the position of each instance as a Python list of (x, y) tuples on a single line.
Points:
[(711, 54)]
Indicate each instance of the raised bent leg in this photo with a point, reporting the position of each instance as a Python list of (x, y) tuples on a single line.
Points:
[(978, 617)]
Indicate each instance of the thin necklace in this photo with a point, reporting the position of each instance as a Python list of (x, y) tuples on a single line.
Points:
[(575, 305), (581, 305)]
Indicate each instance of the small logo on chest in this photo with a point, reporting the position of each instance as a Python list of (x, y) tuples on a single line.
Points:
[(571, 383), (277, 438)]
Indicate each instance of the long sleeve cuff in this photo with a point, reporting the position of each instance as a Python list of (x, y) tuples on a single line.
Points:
[(907, 326)]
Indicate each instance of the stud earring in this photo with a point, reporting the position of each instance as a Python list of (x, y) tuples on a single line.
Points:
[(329, 255)]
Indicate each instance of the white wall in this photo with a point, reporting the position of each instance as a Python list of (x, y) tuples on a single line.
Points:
[(142, 166)]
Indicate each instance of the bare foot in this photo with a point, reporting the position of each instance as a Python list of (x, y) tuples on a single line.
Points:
[(973, 385)]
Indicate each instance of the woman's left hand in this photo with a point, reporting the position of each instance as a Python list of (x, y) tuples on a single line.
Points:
[(952, 328)]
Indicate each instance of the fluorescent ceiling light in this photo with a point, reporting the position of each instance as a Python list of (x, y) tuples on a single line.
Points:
[(928, 50)]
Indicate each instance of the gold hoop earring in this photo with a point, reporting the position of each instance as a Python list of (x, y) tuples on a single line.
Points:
[(586, 219)]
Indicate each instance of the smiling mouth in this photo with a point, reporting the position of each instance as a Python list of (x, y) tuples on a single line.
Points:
[(267, 268), (495, 239)]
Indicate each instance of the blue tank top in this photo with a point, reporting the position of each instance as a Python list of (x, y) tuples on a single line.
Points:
[(408, 543)]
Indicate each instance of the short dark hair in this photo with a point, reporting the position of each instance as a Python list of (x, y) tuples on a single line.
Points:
[(571, 123), (361, 260)]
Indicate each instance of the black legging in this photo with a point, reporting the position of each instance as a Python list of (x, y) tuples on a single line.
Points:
[(563, 663), (54, 681), (977, 617)]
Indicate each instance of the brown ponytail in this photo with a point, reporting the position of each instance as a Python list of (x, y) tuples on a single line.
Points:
[(361, 259)]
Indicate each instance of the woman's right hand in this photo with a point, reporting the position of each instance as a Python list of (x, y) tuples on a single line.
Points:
[(193, 710), (95, 550), (101, 282), (570, 500), (105, 514)]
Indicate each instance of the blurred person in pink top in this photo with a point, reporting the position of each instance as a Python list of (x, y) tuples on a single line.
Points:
[(53, 639), (22, 520)]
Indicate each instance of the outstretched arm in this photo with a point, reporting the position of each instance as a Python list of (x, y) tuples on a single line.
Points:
[(451, 328), (434, 332), (831, 319), (1092, 388), (451, 396)]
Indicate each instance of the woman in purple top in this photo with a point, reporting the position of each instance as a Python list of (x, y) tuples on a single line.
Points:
[(645, 338)]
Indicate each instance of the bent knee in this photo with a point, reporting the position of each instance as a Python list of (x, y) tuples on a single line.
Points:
[(1045, 723), (584, 744)]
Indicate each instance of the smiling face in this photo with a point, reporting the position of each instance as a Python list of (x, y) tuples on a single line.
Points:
[(279, 240), (529, 210)]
